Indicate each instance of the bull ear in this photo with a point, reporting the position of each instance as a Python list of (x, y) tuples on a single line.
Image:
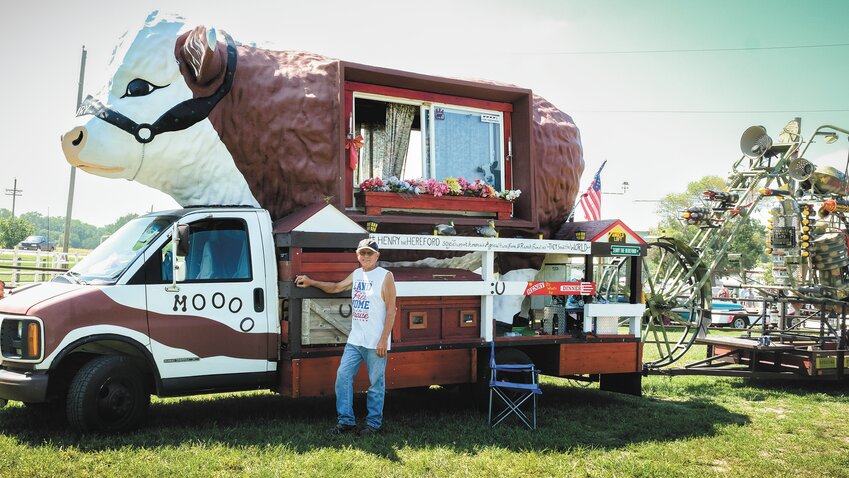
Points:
[(199, 54)]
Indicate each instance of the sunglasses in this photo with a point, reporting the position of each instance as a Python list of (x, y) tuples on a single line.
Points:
[(365, 252)]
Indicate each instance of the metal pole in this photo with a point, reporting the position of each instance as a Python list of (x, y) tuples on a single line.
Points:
[(14, 192), (14, 196), (73, 169)]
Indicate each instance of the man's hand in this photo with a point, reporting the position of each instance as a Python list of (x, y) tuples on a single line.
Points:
[(302, 281), (381, 347)]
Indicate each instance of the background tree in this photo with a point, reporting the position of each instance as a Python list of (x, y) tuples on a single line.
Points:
[(83, 235), (748, 242), (13, 231)]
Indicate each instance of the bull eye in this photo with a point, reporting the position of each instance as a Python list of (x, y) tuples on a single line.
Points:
[(139, 87)]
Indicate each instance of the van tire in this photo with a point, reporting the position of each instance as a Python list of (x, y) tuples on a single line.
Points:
[(109, 394), (739, 322)]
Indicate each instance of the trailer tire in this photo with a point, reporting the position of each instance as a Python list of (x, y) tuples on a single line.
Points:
[(108, 394)]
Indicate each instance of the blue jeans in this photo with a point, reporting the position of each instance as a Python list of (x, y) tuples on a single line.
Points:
[(352, 357)]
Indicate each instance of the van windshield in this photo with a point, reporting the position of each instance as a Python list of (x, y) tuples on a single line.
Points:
[(106, 263)]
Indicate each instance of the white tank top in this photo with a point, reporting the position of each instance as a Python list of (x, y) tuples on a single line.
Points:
[(368, 308)]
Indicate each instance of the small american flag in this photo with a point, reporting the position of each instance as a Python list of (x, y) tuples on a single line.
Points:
[(591, 200)]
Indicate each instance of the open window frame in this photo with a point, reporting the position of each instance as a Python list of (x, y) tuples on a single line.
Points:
[(515, 104), (443, 140)]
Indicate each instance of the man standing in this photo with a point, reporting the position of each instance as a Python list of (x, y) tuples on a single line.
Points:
[(373, 313)]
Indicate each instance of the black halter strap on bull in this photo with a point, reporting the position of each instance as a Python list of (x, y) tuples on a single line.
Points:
[(179, 117)]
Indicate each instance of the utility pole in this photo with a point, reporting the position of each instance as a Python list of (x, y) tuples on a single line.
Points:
[(14, 192), (73, 169)]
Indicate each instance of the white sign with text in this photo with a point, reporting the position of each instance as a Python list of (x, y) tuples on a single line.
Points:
[(494, 244)]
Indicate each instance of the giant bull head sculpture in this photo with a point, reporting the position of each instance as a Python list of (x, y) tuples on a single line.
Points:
[(209, 122)]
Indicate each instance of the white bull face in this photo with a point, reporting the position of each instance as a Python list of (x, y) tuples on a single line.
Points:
[(191, 165)]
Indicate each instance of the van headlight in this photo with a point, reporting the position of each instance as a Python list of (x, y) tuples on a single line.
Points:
[(21, 339)]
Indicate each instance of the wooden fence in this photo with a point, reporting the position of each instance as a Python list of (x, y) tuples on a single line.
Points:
[(19, 267)]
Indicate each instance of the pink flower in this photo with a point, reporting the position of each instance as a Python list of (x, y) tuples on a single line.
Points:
[(371, 184)]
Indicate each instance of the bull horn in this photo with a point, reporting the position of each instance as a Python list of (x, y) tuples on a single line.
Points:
[(211, 38)]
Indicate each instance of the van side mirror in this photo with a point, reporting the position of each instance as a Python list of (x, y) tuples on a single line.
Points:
[(182, 240), (180, 246)]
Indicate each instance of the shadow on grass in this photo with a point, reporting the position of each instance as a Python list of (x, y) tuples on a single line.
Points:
[(831, 390), (751, 389), (569, 418)]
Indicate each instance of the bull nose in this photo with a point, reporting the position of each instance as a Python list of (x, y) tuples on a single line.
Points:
[(73, 142)]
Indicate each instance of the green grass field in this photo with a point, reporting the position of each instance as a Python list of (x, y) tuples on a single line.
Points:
[(682, 426)]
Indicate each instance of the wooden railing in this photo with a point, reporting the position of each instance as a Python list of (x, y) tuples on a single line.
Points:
[(19, 267)]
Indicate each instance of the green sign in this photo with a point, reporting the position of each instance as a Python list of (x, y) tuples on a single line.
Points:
[(625, 250)]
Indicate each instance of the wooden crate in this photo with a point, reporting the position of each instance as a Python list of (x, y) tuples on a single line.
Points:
[(325, 321)]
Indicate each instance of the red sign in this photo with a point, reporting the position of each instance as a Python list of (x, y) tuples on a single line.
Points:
[(560, 288)]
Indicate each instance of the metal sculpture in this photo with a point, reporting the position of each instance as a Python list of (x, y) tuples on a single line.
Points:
[(807, 245)]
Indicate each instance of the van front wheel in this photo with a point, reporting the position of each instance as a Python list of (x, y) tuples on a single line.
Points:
[(109, 395)]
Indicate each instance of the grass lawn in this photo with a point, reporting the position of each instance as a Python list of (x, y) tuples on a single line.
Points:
[(682, 426)]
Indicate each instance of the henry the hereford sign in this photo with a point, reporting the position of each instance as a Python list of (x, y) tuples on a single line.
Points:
[(495, 244)]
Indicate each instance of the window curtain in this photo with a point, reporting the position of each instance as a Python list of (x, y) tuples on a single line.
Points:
[(399, 122), (373, 147), (385, 146)]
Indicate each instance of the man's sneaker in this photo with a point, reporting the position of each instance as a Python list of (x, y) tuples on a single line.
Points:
[(369, 430), (341, 429)]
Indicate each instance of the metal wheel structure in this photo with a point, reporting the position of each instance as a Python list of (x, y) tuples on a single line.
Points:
[(675, 298), (675, 301)]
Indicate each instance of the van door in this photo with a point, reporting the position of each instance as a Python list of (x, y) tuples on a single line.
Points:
[(213, 332)]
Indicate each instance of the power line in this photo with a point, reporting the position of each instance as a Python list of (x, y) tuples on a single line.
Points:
[(691, 50), (711, 111)]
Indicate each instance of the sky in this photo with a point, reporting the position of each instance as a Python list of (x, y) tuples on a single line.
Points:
[(661, 89)]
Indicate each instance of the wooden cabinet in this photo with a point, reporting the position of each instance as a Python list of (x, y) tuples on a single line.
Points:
[(422, 320)]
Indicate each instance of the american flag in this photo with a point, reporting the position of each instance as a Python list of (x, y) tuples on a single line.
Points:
[(591, 200)]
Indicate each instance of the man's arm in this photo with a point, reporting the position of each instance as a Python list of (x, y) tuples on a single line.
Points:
[(329, 287), (389, 296)]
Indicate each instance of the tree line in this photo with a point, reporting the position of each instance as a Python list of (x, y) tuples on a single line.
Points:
[(82, 236)]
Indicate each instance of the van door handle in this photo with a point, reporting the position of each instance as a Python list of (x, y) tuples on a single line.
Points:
[(259, 300)]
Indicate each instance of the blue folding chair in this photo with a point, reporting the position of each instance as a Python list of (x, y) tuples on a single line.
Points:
[(513, 394)]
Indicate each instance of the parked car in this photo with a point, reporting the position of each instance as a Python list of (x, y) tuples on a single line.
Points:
[(36, 243), (726, 314)]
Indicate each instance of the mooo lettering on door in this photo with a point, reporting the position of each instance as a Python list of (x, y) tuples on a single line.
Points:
[(200, 302)]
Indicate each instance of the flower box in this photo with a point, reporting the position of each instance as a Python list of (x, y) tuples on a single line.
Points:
[(375, 202)]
